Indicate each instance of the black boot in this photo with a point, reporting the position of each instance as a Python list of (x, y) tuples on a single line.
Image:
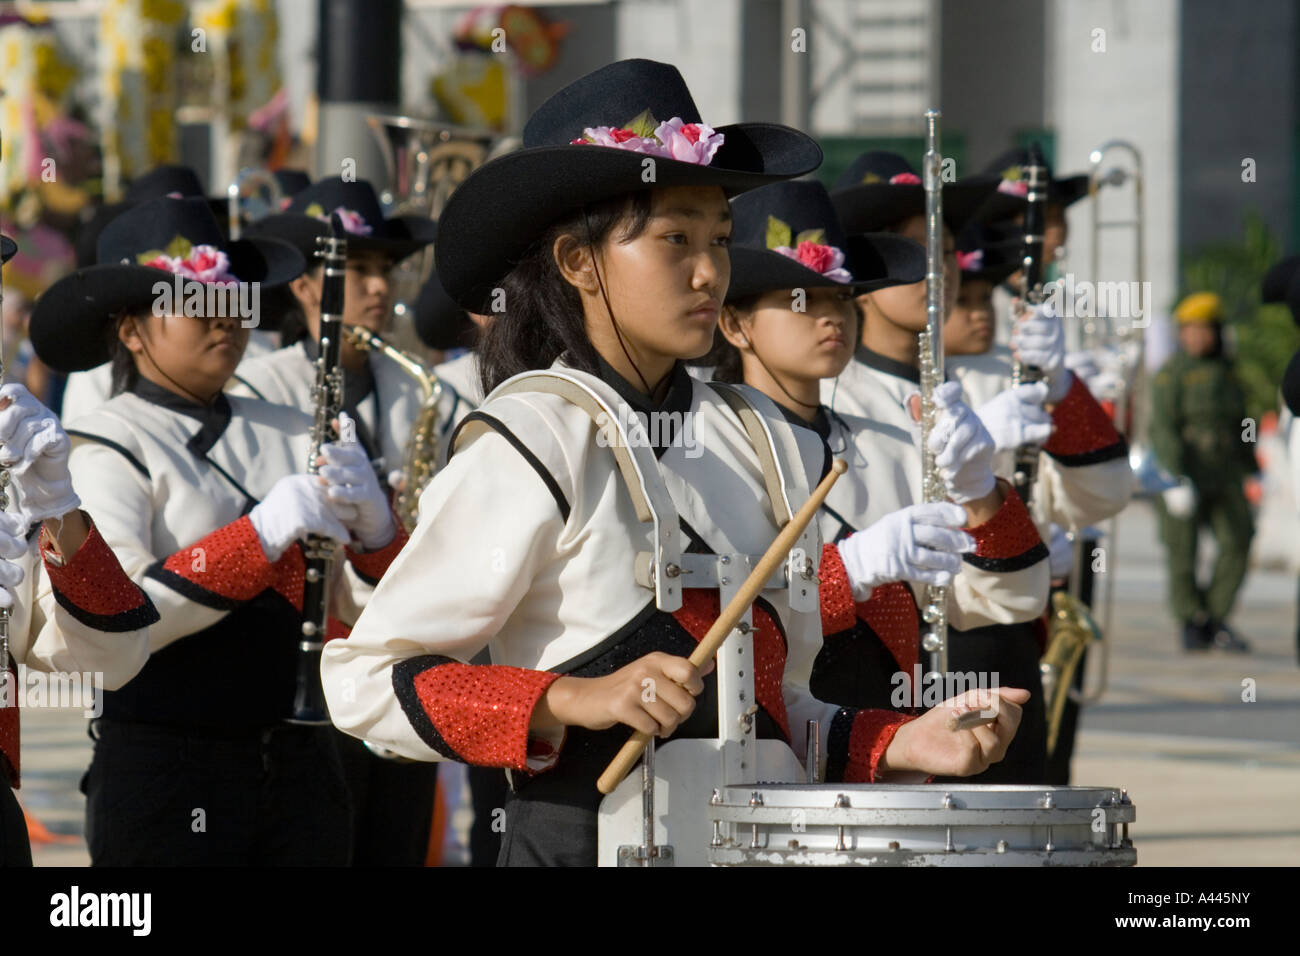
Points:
[(1225, 638), (1196, 634)]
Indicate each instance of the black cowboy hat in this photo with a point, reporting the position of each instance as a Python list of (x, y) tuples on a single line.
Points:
[(991, 253), (8, 248), (291, 181), (880, 188), (440, 322), (307, 217), (784, 214), (504, 205), (1009, 169), (157, 183), (68, 324), (1282, 284)]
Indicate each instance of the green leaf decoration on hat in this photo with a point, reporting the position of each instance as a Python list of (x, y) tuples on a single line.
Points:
[(1012, 174), (870, 177), (778, 233), (644, 125), (178, 248), (315, 210), (811, 235)]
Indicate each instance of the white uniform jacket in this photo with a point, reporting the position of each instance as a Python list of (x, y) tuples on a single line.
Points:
[(170, 484), (529, 544)]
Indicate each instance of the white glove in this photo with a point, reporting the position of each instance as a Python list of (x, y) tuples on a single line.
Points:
[(1180, 500), (1060, 553), (295, 507), (962, 447), (1016, 416), (34, 446), (353, 491), (1039, 340), (13, 544), (919, 543)]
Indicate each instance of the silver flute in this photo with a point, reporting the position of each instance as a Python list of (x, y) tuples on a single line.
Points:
[(935, 610)]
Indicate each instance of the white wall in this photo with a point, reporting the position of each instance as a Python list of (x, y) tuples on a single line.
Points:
[(1128, 92)]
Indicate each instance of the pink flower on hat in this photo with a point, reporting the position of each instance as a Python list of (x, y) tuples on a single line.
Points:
[(204, 263), (905, 179), (689, 142), (353, 222), (1014, 187), (971, 261), (820, 258), (675, 139)]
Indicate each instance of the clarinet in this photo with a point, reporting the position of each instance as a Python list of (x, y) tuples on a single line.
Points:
[(1026, 470), (8, 686), (321, 552), (935, 611)]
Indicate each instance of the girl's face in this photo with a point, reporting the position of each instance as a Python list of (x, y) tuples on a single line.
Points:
[(904, 305), (969, 329), (665, 286), (795, 346), (198, 354)]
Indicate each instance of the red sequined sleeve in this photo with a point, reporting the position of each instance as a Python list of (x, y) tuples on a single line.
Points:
[(93, 588), (1082, 432), (371, 565), (1009, 541), (477, 714), (839, 611), (858, 740), (221, 570)]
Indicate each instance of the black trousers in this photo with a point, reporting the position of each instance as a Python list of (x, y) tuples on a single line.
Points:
[(1012, 652), (15, 849), (392, 805), (488, 790), (163, 796)]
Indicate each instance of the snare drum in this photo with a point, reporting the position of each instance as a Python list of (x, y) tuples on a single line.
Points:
[(920, 825)]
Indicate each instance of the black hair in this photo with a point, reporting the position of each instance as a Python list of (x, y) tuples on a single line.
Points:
[(122, 368), (543, 314), (725, 357)]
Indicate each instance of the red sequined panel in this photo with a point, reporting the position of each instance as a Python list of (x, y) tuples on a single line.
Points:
[(700, 608), (9, 728), (835, 592), (1009, 533), (229, 562), (1080, 425), (371, 565), (873, 732), (891, 613), (482, 712), (92, 579)]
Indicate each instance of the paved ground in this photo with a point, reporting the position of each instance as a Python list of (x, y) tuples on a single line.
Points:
[(1216, 780)]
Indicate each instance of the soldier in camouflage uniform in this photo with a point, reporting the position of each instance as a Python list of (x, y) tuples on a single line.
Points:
[(1197, 432)]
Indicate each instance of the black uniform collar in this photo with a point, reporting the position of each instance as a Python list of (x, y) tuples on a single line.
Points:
[(821, 422), (663, 432), (882, 363), (213, 417)]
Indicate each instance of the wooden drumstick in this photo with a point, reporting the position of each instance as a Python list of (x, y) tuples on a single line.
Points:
[(976, 718), (751, 588)]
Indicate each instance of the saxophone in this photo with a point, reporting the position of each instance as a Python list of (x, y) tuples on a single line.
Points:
[(1070, 631), (421, 458)]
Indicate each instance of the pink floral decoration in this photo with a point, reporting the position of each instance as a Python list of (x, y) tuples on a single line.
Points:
[(674, 139), (204, 263), (353, 222), (1014, 187), (905, 179), (823, 259), (971, 261)]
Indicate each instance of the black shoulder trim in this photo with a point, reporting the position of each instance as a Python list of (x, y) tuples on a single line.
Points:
[(1110, 452), (837, 744), (1006, 565), (500, 428), (404, 675), (586, 657), (695, 543), (132, 620), (188, 589), (846, 529), (109, 443)]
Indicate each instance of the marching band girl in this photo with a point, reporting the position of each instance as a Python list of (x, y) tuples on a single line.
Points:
[(606, 238), (200, 495), (872, 520), (392, 801)]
